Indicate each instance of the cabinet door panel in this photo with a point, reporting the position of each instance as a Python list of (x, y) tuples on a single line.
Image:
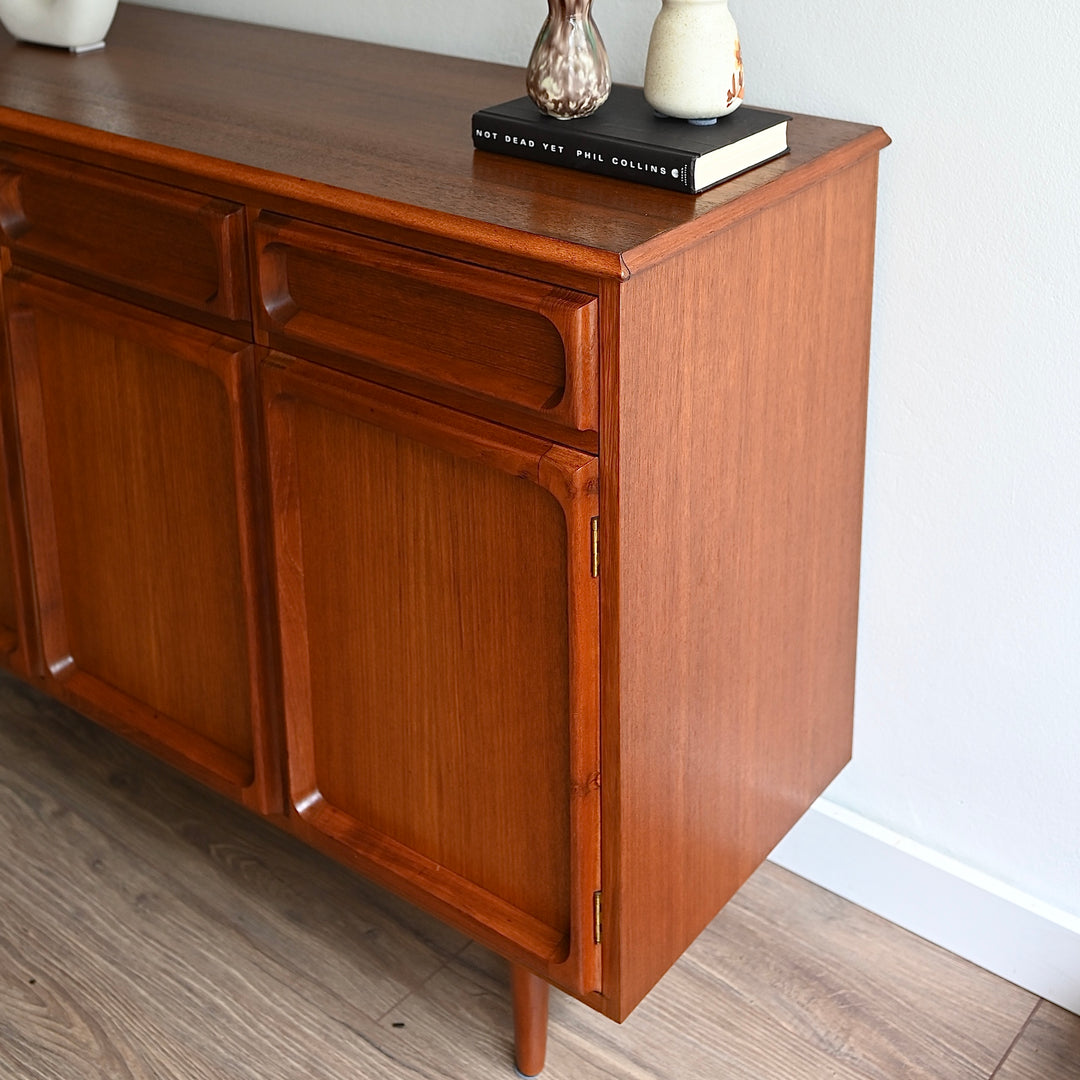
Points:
[(440, 665), (8, 620), (136, 453), (13, 606), (9, 615)]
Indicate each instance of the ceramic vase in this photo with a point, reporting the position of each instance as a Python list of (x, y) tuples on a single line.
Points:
[(694, 66), (568, 73), (77, 25)]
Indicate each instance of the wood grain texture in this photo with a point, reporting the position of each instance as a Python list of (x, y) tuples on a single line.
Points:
[(135, 440), (441, 626), (529, 996), (836, 976), (174, 928), (441, 714), (386, 137), (9, 614), (17, 636), (788, 982), (1048, 1048), (740, 427), (336, 297), (143, 921), (117, 231)]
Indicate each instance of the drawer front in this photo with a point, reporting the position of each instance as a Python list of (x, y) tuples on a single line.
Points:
[(335, 296), (121, 233)]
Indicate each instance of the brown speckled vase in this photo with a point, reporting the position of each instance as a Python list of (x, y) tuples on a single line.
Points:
[(568, 73)]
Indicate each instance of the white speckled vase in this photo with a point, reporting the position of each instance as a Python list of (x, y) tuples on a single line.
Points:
[(77, 25), (568, 73), (694, 68)]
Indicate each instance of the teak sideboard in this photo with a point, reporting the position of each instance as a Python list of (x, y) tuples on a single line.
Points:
[(490, 526)]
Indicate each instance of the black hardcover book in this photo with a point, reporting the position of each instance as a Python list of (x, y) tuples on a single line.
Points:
[(627, 139)]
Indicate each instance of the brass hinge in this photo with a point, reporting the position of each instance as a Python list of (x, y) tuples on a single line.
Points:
[(595, 546), (596, 917)]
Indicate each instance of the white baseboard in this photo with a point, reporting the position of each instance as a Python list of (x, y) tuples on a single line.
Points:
[(965, 911)]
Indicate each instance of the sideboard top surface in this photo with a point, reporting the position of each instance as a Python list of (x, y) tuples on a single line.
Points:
[(370, 130)]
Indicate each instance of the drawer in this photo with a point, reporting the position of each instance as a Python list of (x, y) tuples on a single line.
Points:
[(121, 233), (333, 296)]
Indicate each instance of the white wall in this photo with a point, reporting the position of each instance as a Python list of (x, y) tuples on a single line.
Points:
[(968, 700)]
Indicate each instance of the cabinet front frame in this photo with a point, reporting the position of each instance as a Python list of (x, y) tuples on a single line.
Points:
[(570, 476)]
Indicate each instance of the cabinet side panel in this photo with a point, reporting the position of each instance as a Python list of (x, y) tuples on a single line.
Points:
[(742, 418)]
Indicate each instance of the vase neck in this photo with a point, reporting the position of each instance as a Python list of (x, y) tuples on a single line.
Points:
[(567, 9)]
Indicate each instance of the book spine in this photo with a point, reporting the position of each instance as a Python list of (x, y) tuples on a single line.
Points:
[(585, 152)]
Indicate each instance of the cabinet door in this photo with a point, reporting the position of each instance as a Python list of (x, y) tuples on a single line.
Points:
[(438, 618), (134, 431)]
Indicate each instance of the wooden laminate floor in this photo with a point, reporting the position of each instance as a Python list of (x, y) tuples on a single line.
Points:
[(152, 931)]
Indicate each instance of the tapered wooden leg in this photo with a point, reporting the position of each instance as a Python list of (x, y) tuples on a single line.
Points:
[(530, 996)]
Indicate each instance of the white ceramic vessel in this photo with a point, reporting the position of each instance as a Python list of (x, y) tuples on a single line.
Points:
[(694, 68), (78, 25)]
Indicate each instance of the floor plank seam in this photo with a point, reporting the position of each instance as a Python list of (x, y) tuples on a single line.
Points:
[(272, 964), (417, 989), (1019, 1035), (791, 984)]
